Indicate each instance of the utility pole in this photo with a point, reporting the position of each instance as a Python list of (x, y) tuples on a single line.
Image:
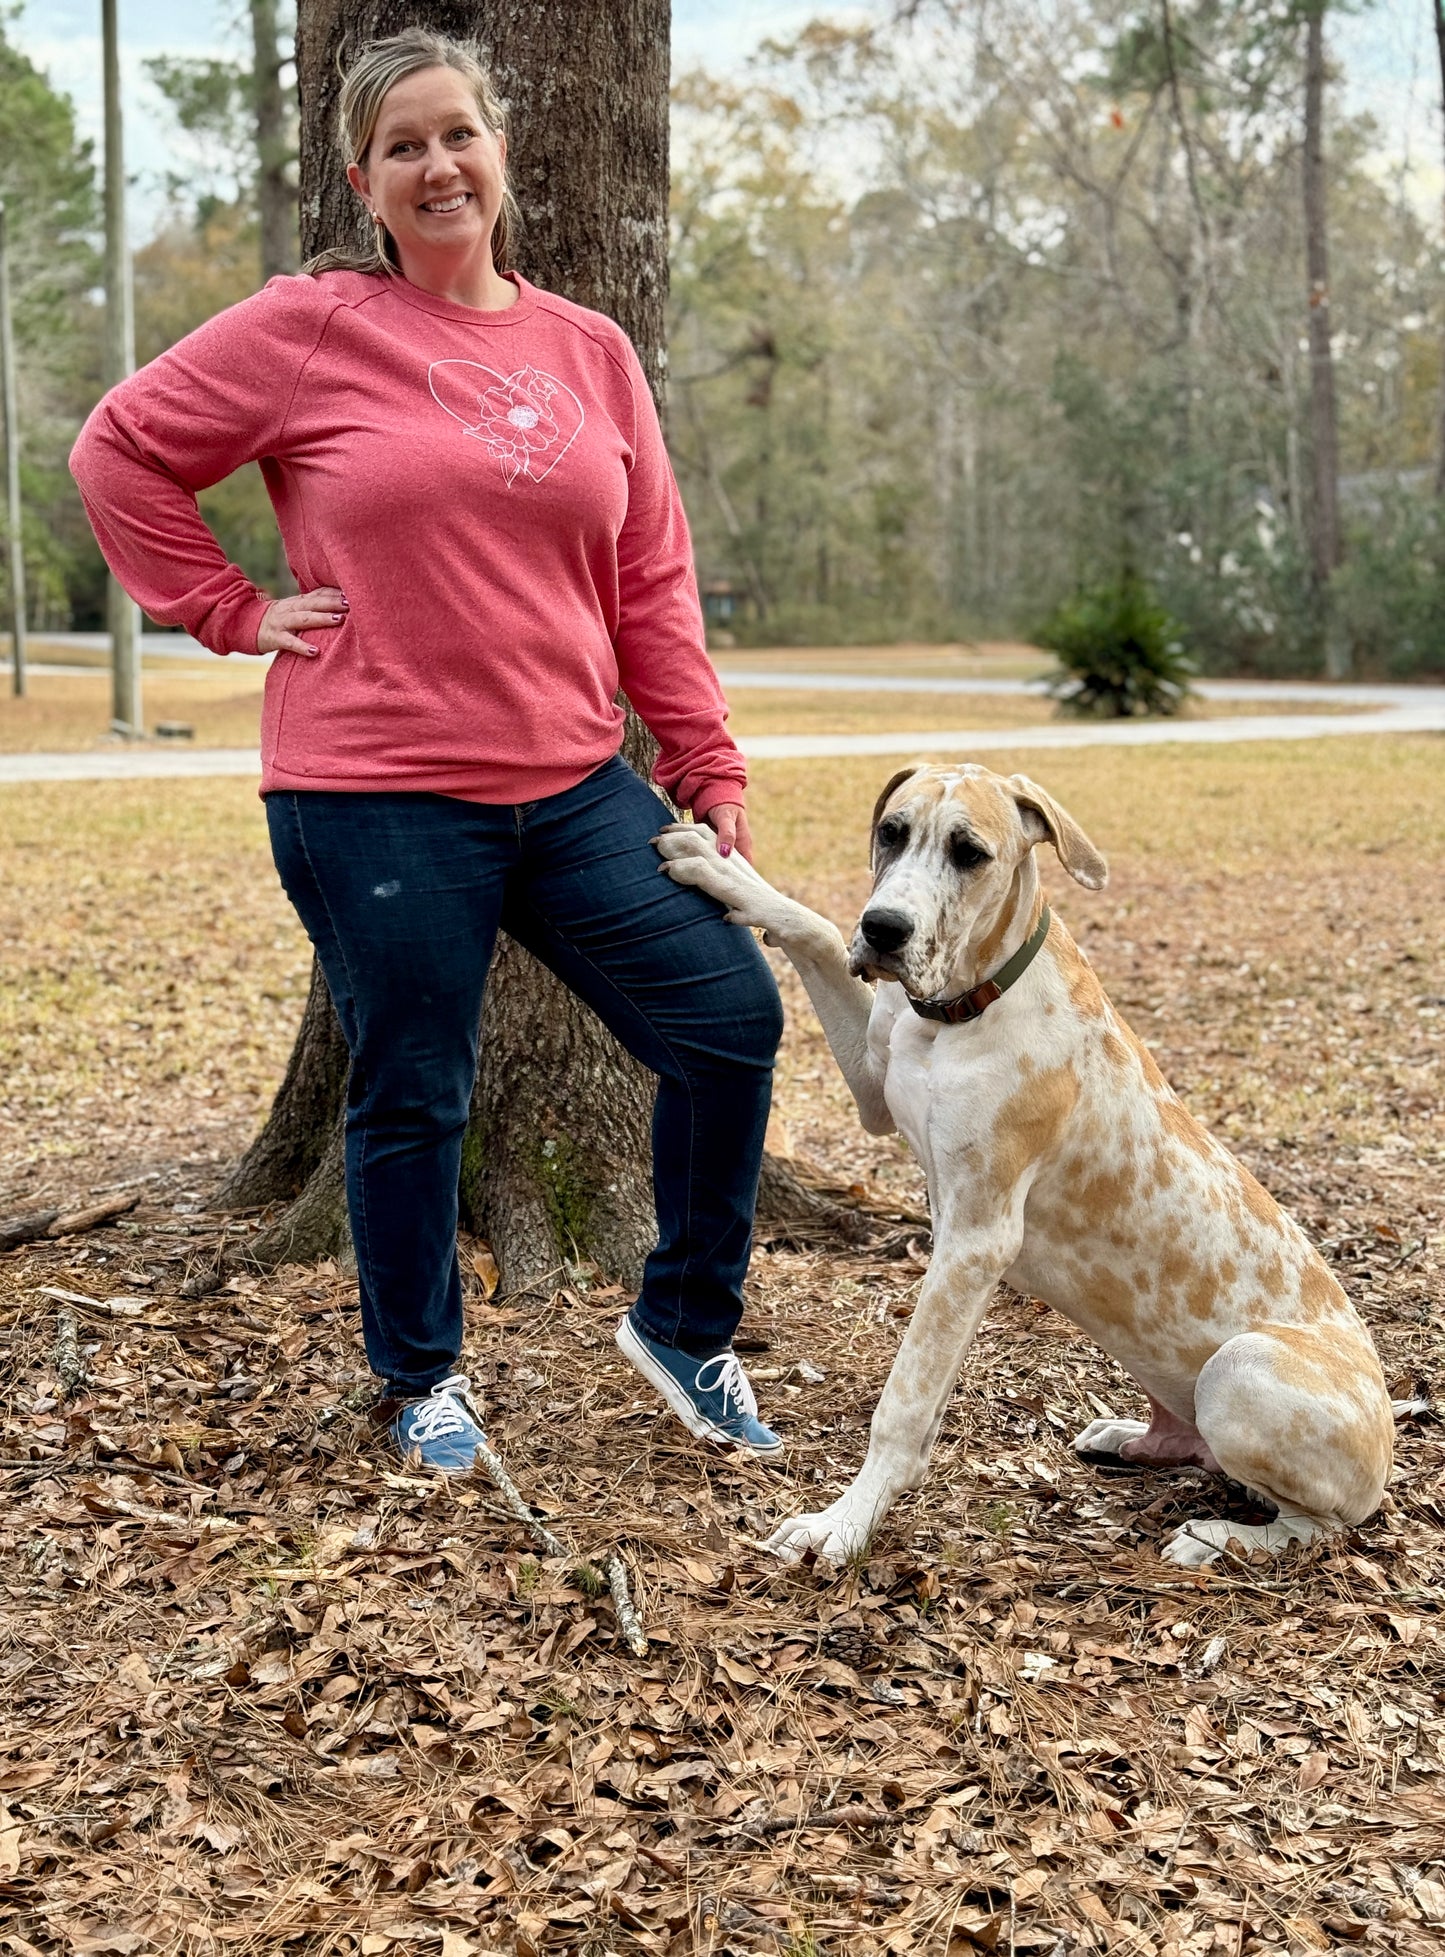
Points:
[(12, 467), (1440, 455), (1326, 540), (123, 616)]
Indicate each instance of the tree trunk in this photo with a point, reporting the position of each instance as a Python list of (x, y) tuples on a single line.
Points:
[(1325, 541), (274, 196), (298, 1151), (1440, 456)]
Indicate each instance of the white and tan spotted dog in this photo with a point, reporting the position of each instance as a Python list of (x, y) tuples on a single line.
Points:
[(1058, 1159)]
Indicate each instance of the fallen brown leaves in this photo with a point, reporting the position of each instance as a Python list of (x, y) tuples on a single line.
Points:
[(264, 1691), (261, 1691)]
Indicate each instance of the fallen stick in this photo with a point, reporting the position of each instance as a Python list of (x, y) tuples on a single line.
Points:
[(15, 1230), (69, 1366), (613, 1572), (628, 1620), (94, 1213), (25, 1229), (107, 1504), (549, 1544), (784, 1824), (111, 1307)]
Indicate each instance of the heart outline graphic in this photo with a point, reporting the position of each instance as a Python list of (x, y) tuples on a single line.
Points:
[(520, 416)]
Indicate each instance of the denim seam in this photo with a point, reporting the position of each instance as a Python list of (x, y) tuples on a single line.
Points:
[(363, 1249)]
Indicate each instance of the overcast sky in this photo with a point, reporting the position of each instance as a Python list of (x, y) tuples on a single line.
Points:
[(1387, 51)]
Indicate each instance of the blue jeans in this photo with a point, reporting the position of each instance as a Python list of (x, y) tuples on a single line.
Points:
[(402, 896)]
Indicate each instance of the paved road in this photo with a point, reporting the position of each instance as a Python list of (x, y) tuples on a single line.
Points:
[(160, 645), (130, 764), (1405, 710), (1092, 733)]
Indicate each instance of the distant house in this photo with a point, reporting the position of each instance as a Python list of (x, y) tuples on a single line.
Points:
[(719, 601)]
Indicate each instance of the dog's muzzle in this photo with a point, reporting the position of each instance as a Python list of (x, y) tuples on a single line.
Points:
[(885, 930)]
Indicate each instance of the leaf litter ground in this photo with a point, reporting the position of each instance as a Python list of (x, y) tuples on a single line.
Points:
[(262, 1691)]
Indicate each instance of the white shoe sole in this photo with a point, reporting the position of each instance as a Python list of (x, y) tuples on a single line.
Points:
[(637, 1355)]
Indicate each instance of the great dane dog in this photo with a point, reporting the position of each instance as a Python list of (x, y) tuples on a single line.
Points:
[(1058, 1158)]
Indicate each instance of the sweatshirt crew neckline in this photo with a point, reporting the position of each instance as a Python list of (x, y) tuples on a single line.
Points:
[(522, 307)]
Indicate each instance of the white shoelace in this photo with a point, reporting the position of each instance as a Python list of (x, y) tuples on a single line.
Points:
[(732, 1382), (446, 1410)]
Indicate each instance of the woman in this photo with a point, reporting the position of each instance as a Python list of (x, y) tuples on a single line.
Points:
[(475, 499)]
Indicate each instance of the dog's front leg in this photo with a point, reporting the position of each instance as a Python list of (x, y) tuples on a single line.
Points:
[(954, 1298), (813, 945)]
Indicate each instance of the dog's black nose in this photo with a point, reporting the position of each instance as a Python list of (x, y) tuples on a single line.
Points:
[(886, 930)]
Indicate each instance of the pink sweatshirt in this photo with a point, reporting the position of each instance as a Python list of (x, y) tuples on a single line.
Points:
[(491, 492)]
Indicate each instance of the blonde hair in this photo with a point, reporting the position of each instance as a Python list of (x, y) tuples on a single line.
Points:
[(365, 85)]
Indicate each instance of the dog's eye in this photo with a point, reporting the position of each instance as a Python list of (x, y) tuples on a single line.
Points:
[(965, 854), (892, 832)]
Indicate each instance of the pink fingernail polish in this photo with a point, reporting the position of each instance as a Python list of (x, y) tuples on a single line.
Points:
[(724, 849)]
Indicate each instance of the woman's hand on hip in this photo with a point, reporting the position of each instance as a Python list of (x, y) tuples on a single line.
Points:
[(730, 821), (309, 611)]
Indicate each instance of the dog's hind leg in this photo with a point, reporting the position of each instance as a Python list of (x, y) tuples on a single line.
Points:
[(1299, 1415)]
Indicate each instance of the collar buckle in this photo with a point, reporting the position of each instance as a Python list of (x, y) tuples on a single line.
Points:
[(972, 1005)]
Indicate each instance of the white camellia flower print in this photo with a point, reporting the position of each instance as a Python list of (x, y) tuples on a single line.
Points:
[(527, 419)]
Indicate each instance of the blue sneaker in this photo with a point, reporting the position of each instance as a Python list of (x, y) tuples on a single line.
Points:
[(443, 1431), (711, 1397)]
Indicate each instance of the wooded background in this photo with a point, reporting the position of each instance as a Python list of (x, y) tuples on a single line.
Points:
[(969, 308)]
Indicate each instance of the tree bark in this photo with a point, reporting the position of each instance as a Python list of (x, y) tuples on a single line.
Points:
[(285, 1157), (1326, 547), (276, 201)]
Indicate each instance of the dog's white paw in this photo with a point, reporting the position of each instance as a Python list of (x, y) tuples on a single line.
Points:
[(689, 855), (1108, 1436), (1199, 1543), (1196, 1545), (833, 1534)]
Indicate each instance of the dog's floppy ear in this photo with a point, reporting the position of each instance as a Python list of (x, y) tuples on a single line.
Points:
[(1045, 821), (897, 782)]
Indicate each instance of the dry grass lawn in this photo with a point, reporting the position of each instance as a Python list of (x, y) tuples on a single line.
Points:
[(260, 1692), (70, 712)]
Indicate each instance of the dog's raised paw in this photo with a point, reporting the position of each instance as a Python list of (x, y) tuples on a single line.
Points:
[(689, 855), (680, 839)]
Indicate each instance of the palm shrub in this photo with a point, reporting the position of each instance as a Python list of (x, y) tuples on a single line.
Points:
[(1121, 652)]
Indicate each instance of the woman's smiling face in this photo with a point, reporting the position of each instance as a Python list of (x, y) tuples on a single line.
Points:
[(433, 171)]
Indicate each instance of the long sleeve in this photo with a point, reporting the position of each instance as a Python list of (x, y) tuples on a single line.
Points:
[(216, 400), (661, 650)]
